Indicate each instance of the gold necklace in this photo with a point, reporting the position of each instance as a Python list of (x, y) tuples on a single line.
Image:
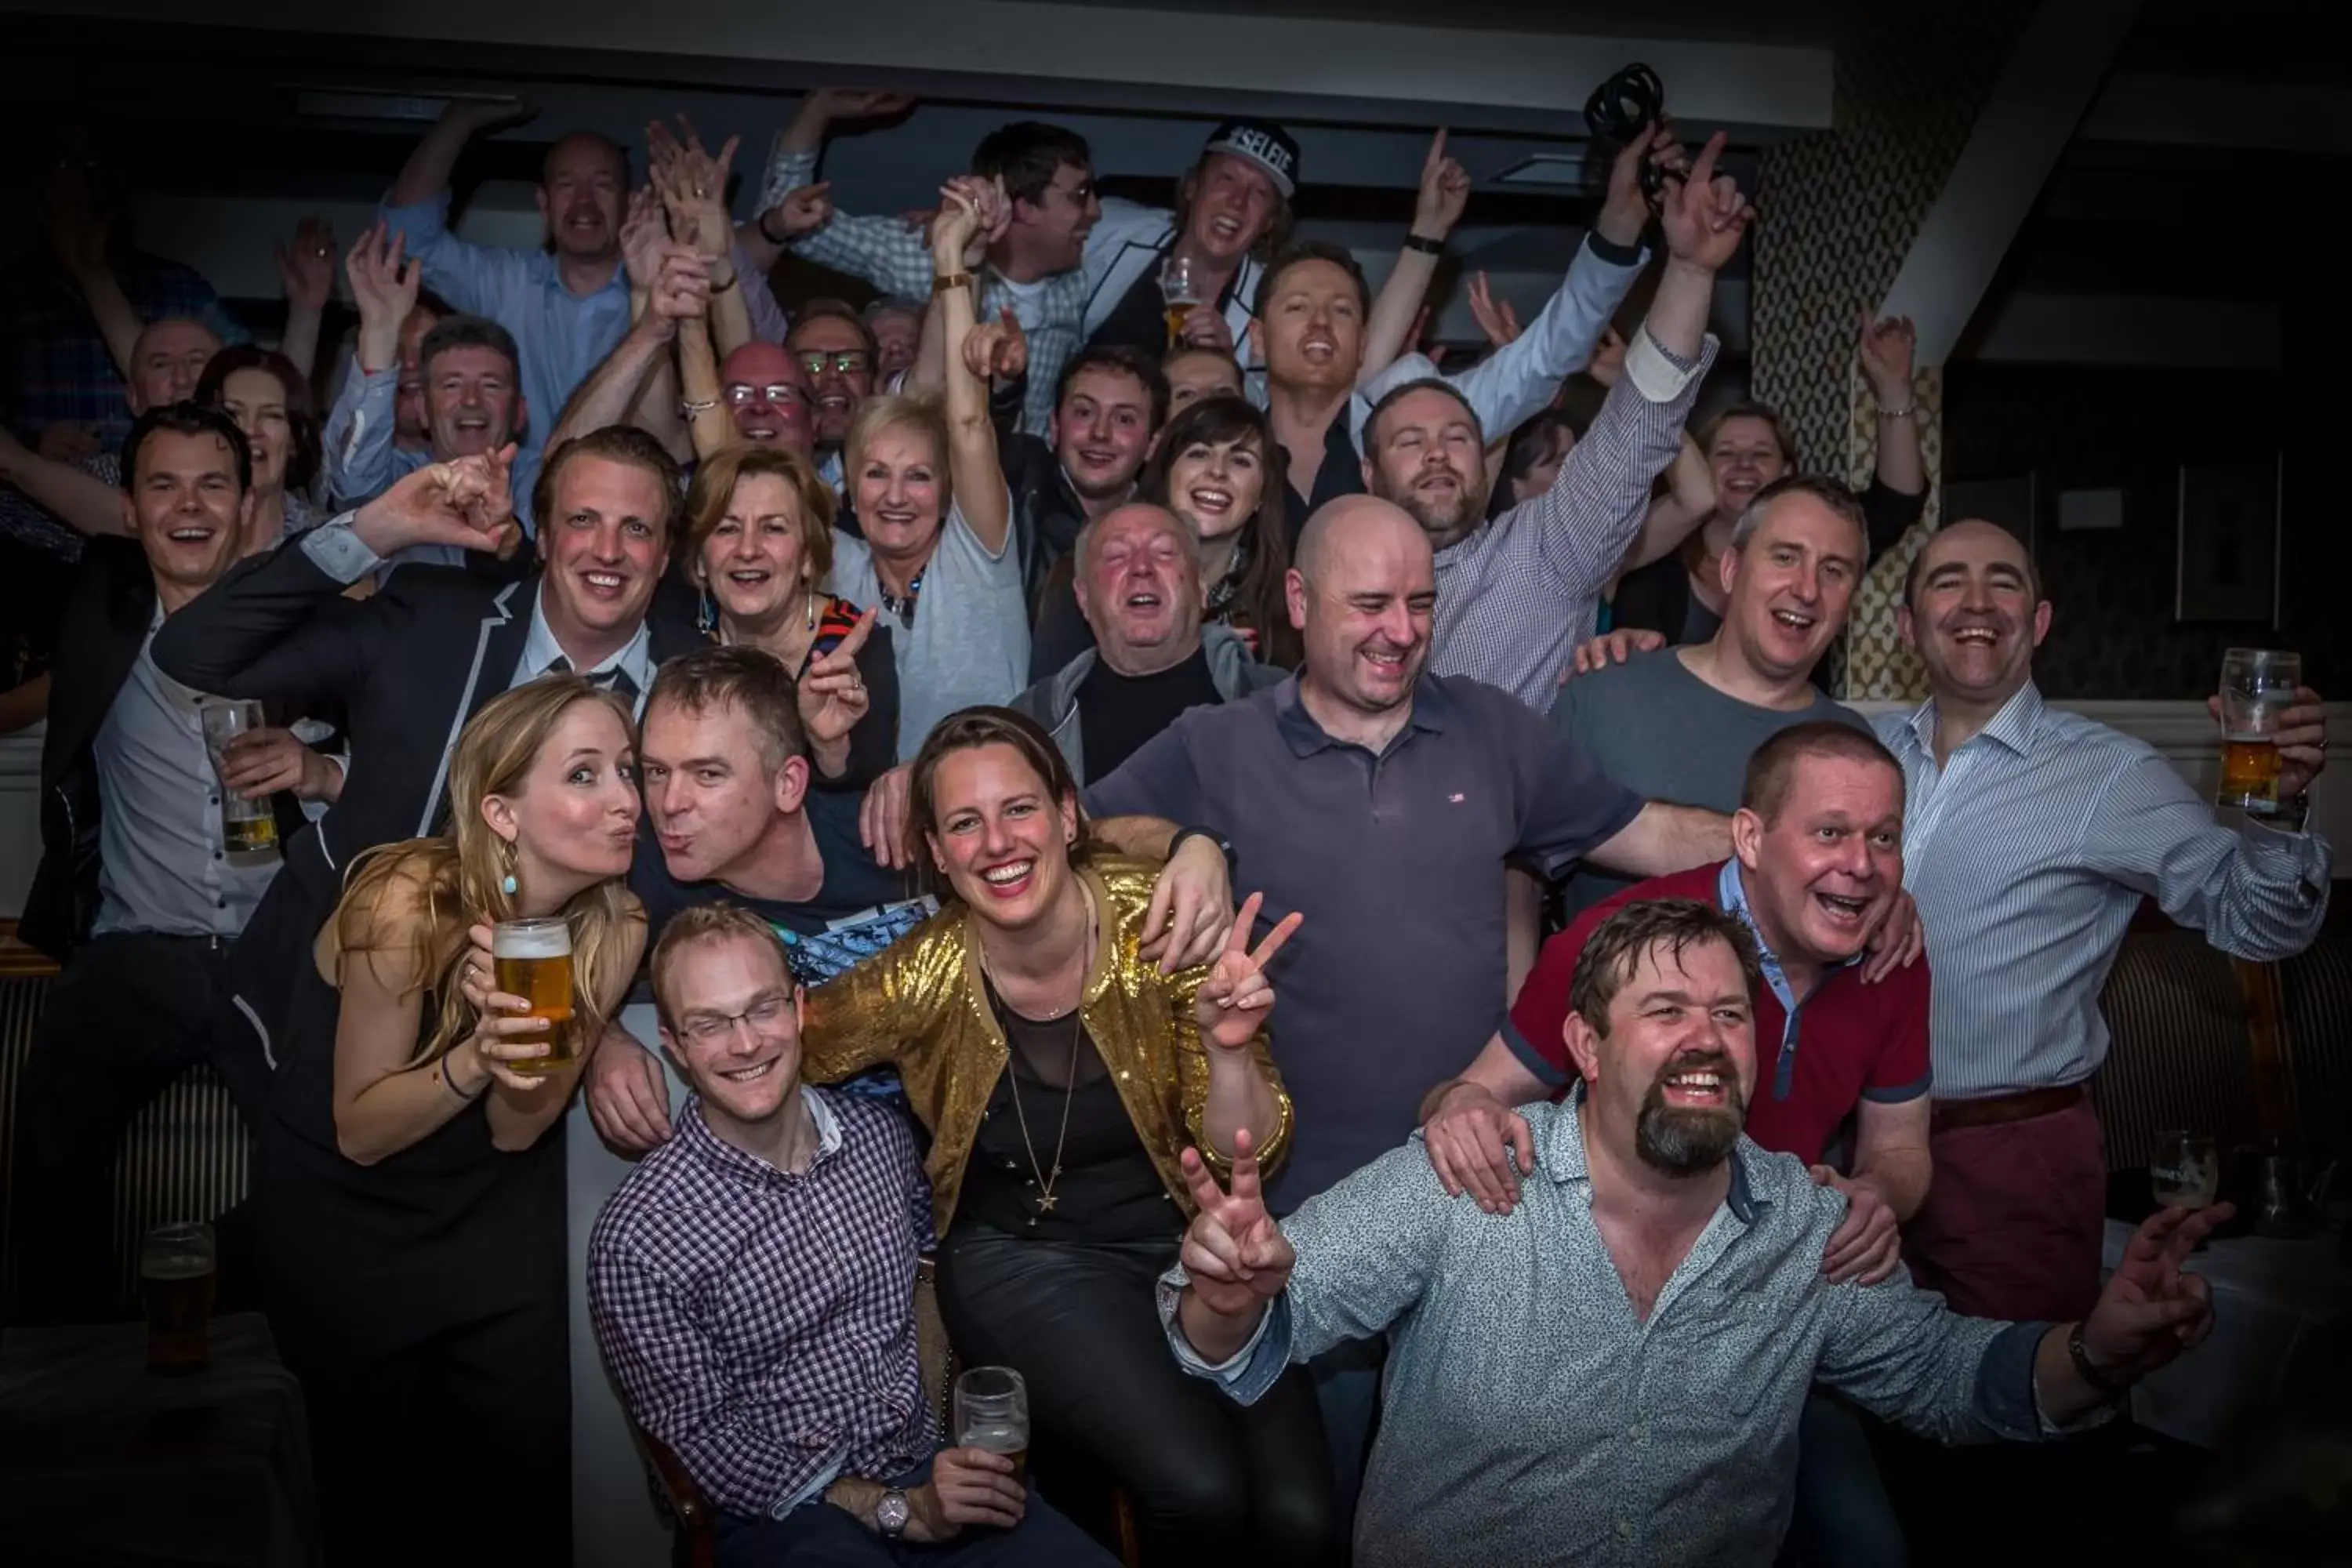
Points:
[(1044, 1180)]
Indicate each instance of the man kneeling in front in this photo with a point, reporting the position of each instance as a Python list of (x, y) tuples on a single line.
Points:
[(753, 1288), (1613, 1371)]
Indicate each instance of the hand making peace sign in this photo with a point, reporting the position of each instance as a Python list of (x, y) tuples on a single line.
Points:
[(1237, 1255), (1231, 1005)]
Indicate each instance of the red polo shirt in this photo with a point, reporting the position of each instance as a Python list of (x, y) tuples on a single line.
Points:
[(1853, 1042)]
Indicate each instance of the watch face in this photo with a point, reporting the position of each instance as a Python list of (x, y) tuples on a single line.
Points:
[(890, 1513)]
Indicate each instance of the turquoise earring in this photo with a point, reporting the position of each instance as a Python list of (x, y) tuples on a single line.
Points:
[(509, 885)]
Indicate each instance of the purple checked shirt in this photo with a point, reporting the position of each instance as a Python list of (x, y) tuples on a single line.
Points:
[(760, 1323)]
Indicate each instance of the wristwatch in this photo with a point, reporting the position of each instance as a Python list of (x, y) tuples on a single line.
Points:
[(1225, 846), (890, 1515)]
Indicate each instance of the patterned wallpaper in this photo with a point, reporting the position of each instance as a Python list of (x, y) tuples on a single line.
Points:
[(1836, 213)]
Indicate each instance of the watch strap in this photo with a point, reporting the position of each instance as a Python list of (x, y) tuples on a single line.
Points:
[(1426, 245), (2101, 1383), (950, 281), (1223, 845)]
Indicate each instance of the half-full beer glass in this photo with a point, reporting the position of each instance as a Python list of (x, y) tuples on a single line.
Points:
[(1180, 293), (175, 1286), (248, 830), (2258, 684), (991, 1412), (533, 958)]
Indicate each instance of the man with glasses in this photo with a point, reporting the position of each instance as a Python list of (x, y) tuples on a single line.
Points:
[(832, 347)]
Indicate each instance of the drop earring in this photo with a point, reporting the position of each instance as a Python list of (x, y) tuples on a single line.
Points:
[(507, 884), (812, 609), (704, 618)]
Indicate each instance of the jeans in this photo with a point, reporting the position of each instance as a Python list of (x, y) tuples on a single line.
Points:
[(819, 1535), (1844, 1518)]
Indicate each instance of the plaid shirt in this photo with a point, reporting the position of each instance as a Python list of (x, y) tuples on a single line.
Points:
[(897, 260), (759, 1323), (60, 370)]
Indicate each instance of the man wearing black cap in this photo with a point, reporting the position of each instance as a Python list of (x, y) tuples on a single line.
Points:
[(1232, 212)]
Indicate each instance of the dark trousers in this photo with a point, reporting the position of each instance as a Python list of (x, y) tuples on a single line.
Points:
[(2015, 1218), (819, 1535), (1844, 1518), (131, 1013), (1081, 1324)]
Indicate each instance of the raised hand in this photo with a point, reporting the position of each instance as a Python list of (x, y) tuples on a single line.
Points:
[(1231, 1006), (961, 223), (260, 763), (1205, 328), (80, 227), (467, 503), (1704, 214), (838, 103), (1626, 210), (1444, 192), (681, 290), (1886, 350), (644, 233), (693, 186), (1237, 1257), (832, 695), (802, 212), (1494, 317), (997, 350), (307, 267), (2150, 1311), (478, 115)]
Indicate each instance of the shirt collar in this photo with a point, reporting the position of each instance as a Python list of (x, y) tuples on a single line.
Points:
[(2014, 726), (539, 649), (1563, 1155), (1431, 708), (714, 1150)]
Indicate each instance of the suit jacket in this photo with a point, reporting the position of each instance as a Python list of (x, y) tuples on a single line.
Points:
[(107, 609)]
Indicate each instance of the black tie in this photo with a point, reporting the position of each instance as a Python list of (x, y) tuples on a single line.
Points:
[(614, 680)]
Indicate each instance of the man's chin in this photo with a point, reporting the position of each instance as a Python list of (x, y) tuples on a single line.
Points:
[(1685, 1142)]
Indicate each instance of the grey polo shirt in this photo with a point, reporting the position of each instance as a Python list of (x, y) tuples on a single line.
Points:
[(1396, 978)]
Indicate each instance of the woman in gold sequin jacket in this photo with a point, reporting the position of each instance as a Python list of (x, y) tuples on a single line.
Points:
[(1060, 1076)]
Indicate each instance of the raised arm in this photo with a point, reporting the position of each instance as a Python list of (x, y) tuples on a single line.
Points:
[(426, 175), (306, 269), (1444, 192), (973, 462), (885, 251), (680, 291), (1236, 1090), (702, 400), (358, 440), (1886, 352), (67, 491), (82, 238), (470, 276)]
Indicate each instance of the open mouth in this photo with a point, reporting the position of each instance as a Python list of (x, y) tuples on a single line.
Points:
[(759, 432), (833, 402), (1795, 622), (751, 1074), (895, 517), (1010, 879), (1842, 910), (1699, 1088), (1144, 599), (1317, 348), (1098, 457), (1387, 664), (194, 534), (1976, 637), (604, 585), (1209, 503), (750, 577)]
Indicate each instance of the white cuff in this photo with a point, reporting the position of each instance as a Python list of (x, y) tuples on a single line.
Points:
[(1654, 373), (335, 549)]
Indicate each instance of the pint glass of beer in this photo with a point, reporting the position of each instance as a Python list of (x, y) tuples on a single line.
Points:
[(175, 1285), (248, 830), (2257, 686), (991, 1412), (1182, 294), (534, 961)]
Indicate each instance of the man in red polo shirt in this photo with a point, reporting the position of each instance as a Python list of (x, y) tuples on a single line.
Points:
[(1818, 846)]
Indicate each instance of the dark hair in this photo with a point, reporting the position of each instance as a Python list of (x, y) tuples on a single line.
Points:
[(1772, 767), (1308, 250), (1832, 493), (750, 680), (462, 332), (1264, 543), (614, 444), (186, 419), (303, 449), (1619, 943), (1406, 389), (1278, 229), (1027, 154), (1530, 445), (697, 925), (969, 729), (835, 311), (1123, 361), (1916, 571)]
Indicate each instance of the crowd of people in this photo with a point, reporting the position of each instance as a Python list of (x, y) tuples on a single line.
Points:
[(985, 701)]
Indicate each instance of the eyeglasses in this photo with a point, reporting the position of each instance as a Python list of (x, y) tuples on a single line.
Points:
[(848, 362), (780, 392), (711, 1028)]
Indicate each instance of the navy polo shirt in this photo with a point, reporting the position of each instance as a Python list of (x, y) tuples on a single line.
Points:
[(1396, 978)]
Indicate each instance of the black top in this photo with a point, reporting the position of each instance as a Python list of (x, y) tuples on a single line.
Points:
[(1342, 474), (1140, 320), (1117, 714), (1108, 1189)]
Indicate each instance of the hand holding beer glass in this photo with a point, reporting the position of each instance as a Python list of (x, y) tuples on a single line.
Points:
[(176, 1271), (248, 828), (1182, 293), (532, 983), (2258, 686), (992, 1413)]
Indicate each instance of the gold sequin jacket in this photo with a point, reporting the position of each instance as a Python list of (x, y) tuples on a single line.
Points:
[(920, 1006)]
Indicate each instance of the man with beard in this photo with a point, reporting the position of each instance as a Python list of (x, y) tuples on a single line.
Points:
[(1680, 723), (2031, 836), (1613, 1371), (567, 305), (836, 354), (1518, 593), (1110, 403)]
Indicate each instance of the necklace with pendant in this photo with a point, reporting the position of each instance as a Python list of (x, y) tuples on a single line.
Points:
[(1044, 1178)]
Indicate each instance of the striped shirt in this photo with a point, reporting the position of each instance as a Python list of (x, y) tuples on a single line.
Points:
[(2028, 852), (1516, 597)]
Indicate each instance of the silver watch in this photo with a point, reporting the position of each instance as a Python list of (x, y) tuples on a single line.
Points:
[(890, 1515)]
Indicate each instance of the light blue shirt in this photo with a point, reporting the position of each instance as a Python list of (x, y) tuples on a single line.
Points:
[(2028, 852), (363, 460), (560, 335), (1528, 1416)]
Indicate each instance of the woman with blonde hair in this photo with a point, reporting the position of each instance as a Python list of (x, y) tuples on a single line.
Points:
[(758, 544), (410, 1191), (1061, 1075)]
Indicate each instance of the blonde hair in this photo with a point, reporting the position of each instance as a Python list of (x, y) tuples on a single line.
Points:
[(879, 414), (421, 895), (720, 475)]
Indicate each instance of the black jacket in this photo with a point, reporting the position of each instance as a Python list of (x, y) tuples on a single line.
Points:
[(104, 624)]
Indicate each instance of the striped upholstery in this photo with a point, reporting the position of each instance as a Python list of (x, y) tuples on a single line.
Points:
[(186, 1157), (2315, 989), (2181, 1056)]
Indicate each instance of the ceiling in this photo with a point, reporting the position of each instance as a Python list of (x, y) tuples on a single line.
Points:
[(1814, 22)]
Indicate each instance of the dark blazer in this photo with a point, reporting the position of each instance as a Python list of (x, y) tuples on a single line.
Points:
[(407, 667), (108, 608)]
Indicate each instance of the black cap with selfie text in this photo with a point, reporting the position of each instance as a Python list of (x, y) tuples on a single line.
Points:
[(1262, 143)]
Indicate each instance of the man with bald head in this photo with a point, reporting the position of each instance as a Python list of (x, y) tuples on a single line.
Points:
[(2030, 834), (1139, 586), (567, 304)]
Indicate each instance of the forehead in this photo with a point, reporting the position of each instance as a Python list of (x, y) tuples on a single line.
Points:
[(617, 486), (470, 359), (1976, 547), (827, 332), (1315, 277), (1205, 369), (253, 385), (1139, 526), (1068, 177), (1228, 169), (1747, 430), (1707, 966), (177, 338), (896, 319), (983, 772), (901, 441), (1103, 384), (584, 157), (1860, 786), (180, 452), (1804, 519), (673, 731), (586, 725), (761, 363), (713, 957), (1388, 556), (1428, 409)]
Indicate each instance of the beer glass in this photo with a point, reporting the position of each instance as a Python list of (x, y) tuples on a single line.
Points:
[(175, 1286), (2185, 1170), (248, 829), (1182, 294), (2257, 686), (991, 1412), (534, 959)]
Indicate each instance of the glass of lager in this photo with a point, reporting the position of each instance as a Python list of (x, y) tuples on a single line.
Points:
[(2257, 686), (248, 829), (1182, 294), (991, 1412), (175, 1285), (534, 961)]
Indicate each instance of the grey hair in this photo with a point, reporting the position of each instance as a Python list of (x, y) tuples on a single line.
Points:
[(1083, 547), (1840, 499)]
